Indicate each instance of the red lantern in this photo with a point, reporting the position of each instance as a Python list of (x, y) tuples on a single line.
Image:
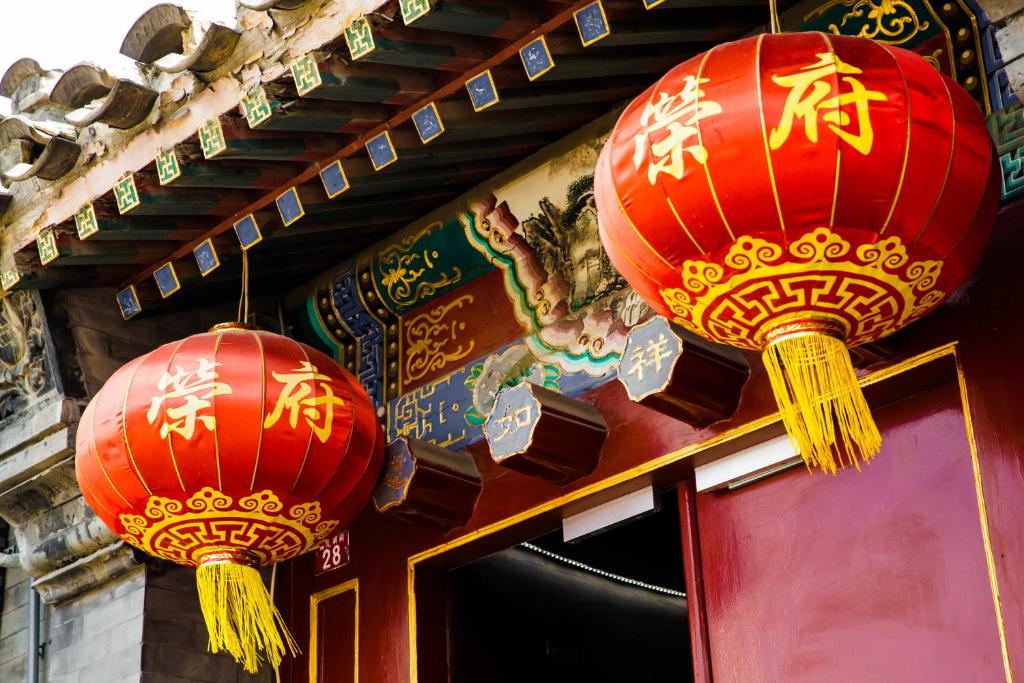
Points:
[(796, 194), (227, 451)]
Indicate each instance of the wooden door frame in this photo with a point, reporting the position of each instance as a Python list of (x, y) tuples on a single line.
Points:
[(916, 373), (699, 647)]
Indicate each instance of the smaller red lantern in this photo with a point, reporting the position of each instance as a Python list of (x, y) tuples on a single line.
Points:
[(227, 451)]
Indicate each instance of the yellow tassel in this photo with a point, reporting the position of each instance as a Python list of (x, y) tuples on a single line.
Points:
[(822, 406), (240, 613)]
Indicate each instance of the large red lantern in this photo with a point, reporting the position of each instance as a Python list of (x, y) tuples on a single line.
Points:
[(797, 194), (227, 451)]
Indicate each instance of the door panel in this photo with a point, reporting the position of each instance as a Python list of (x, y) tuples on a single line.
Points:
[(872, 576), (337, 627)]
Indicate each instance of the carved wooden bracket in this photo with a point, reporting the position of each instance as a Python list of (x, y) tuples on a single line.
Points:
[(427, 484), (681, 375), (539, 432)]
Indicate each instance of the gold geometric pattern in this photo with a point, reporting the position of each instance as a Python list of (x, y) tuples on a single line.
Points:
[(307, 76), (413, 9), (257, 108), (211, 138), (46, 242), (359, 36), (871, 290), (167, 167), (85, 221), (126, 194), (210, 520), (9, 278)]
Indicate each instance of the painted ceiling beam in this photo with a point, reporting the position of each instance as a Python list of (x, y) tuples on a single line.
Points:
[(425, 51), (156, 200), (165, 229), (74, 252), (576, 67), (453, 86), (246, 144), (561, 94), (224, 174), (310, 116), (495, 19), (368, 83)]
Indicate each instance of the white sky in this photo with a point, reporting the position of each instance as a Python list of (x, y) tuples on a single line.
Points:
[(61, 33)]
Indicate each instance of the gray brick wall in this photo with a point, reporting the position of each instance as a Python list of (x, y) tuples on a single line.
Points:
[(174, 635), (142, 627), (102, 342), (97, 638), (13, 620)]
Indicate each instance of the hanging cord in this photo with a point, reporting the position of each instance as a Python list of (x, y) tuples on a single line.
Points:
[(773, 5), (243, 301)]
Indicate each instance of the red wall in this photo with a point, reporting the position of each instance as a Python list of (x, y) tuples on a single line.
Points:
[(877, 575)]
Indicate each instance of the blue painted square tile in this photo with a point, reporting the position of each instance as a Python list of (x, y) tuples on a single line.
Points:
[(289, 206), (248, 232), (536, 58), (128, 302), (206, 257), (166, 280), (382, 152), (334, 180), (428, 123), (592, 23), (482, 92)]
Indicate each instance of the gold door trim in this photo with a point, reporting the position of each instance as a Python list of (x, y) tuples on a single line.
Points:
[(314, 628)]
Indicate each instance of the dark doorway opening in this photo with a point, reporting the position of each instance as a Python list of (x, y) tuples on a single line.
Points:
[(609, 608)]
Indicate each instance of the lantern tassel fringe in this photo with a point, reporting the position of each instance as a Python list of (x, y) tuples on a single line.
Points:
[(822, 405), (240, 615)]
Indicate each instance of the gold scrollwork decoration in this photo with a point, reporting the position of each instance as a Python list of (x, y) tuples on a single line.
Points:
[(431, 339), (889, 21), (182, 531), (933, 59), (402, 266), (873, 288)]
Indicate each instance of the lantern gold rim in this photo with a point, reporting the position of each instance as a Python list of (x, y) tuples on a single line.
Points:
[(815, 324), (229, 556), (233, 327)]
